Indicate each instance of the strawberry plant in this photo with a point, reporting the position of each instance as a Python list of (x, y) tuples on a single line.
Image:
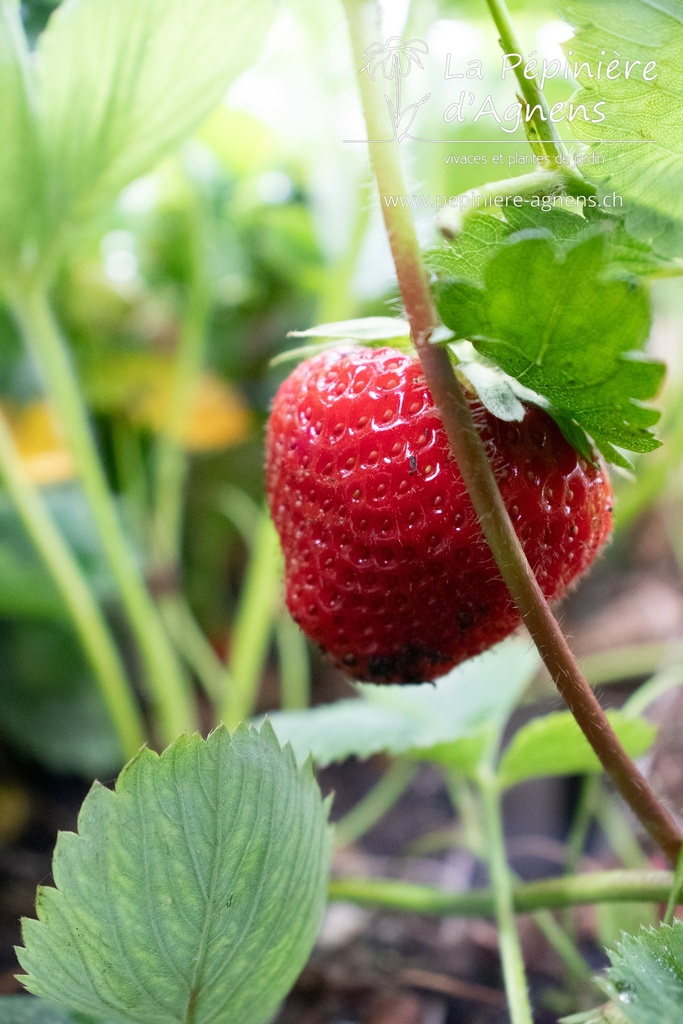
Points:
[(436, 479)]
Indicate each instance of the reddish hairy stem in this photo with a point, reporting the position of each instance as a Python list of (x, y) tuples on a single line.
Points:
[(478, 476)]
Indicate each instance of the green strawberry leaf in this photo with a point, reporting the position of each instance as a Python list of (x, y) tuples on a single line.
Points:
[(646, 976), (466, 256), (194, 891), (365, 330), (554, 745), (19, 163), (647, 172), (561, 325), (369, 331), (123, 82), (448, 721), (29, 1010)]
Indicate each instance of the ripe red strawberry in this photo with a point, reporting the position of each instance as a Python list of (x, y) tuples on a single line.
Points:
[(386, 565)]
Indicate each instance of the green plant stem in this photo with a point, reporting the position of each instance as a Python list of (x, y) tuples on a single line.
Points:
[(171, 456), (511, 955), (578, 834), (131, 477), (538, 183), (375, 804), (630, 661), (89, 622), (165, 681), (551, 894), (612, 819), (253, 624), (193, 646), (564, 946), (585, 812), (440, 840), (675, 895), (543, 128), (471, 835), (668, 679), (295, 666), (470, 455)]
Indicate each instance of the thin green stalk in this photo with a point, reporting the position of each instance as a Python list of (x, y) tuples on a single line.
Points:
[(242, 512), (475, 468), (465, 800), (508, 939), (538, 183), (171, 457), (253, 625), (564, 946), (191, 643), (612, 819), (624, 663), (381, 798), (663, 682), (675, 896), (438, 841), (89, 622), (473, 837), (578, 834), (295, 665), (131, 476), (165, 681), (528, 897), (542, 127), (630, 661), (584, 815)]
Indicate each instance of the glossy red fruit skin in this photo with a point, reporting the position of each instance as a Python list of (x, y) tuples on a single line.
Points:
[(386, 565)]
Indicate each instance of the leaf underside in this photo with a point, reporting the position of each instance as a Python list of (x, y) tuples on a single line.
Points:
[(448, 721), (114, 86)]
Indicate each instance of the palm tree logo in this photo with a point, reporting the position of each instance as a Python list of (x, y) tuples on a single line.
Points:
[(396, 57)]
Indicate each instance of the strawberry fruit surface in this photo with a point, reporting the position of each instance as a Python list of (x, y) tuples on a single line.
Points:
[(386, 565)]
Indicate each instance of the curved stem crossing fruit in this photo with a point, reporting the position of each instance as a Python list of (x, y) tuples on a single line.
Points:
[(476, 470)]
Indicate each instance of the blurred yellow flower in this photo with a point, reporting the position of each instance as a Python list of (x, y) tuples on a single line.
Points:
[(39, 441), (139, 386), (218, 415)]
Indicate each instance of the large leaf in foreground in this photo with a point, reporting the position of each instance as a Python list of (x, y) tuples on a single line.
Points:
[(122, 82), (648, 170), (556, 322), (447, 721), (192, 892)]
